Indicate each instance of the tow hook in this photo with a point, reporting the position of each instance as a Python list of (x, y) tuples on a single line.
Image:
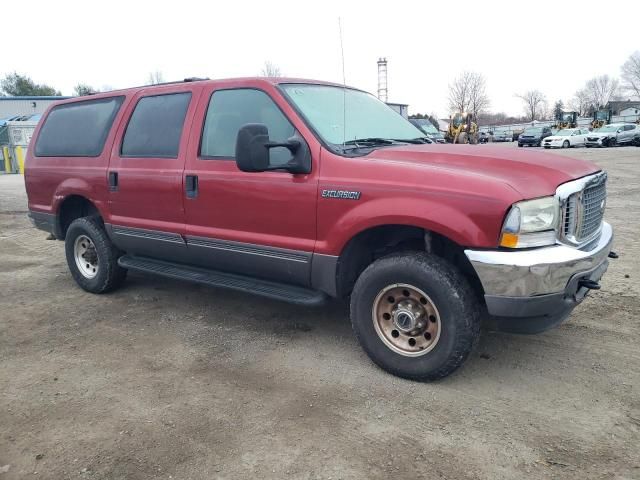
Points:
[(590, 284), (613, 254)]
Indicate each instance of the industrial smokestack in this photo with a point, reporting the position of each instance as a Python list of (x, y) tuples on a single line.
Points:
[(382, 79)]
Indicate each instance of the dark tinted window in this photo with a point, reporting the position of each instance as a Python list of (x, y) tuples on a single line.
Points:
[(77, 129), (231, 109), (155, 126), (629, 127)]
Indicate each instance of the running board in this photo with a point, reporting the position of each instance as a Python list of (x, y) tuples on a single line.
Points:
[(265, 288)]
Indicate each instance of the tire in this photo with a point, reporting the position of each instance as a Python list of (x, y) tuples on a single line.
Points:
[(442, 289), (566, 144), (547, 148), (612, 142), (102, 273), (462, 138), (519, 144)]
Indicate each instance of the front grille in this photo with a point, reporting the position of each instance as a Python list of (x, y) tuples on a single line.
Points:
[(593, 203), (583, 212), (592, 139)]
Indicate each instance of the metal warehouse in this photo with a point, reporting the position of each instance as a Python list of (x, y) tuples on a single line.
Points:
[(12, 106)]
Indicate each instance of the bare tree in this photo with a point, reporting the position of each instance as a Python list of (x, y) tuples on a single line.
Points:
[(83, 89), (534, 101), (602, 89), (468, 92), (580, 102), (155, 78), (631, 74), (270, 70)]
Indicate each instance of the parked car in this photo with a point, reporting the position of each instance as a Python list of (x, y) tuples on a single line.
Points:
[(428, 129), (257, 185), (484, 137), (566, 138), (501, 136), (613, 134), (533, 136)]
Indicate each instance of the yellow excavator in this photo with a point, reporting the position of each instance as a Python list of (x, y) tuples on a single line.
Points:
[(601, 118), (462, 129), (566, 120)]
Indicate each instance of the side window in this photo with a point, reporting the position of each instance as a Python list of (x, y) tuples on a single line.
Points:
[(155, 126), (229, 110), (629, 127), (77, 129)]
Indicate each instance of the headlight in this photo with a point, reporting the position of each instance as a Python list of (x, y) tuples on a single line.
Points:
[(531, 223)]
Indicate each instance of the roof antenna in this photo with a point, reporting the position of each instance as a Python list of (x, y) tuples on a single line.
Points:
[(344, 88)]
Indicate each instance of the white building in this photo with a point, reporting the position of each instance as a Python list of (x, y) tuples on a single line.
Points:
[(12, 106)]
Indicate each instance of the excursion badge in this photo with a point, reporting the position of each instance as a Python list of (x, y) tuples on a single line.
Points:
[(343, 194)]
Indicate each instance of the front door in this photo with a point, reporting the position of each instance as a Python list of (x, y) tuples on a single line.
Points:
[(259, 224), (145, 173)]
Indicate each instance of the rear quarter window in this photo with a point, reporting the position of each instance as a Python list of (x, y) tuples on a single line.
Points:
[(77, 129)]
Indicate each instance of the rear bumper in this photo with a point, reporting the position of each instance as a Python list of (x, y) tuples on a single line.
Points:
[(533, 290)]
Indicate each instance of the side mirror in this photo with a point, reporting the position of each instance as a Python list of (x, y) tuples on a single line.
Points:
[(253, 151)]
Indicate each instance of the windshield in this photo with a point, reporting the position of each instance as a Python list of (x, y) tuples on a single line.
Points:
[(342, 114), (608, 128), (533, 131), (564, 132), (425, 125)]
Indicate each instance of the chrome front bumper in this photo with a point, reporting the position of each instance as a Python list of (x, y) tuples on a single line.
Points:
[(541, 281)]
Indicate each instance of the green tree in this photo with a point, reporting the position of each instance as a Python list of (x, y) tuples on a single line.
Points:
[(558, 109), (15, 85), (83, 89)]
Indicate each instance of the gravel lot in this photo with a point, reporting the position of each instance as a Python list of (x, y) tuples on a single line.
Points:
[(163, 379)]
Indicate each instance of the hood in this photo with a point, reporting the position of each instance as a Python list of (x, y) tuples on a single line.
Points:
[(600, 134), (531, 174), (556, 137)]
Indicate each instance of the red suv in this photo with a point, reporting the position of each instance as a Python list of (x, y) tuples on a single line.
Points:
[(299, 191)]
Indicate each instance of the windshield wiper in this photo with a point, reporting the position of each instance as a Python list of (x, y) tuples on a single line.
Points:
[(370, 141), (415, 141)]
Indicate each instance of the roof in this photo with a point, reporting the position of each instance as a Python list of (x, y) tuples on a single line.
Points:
[(26, 97), (271, 80), (623, 103)]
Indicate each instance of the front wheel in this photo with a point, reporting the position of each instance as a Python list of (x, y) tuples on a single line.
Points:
[(415, 315), (91, 257), (566, 144), (612, 142)]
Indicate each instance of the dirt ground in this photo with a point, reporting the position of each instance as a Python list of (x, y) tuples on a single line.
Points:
[(164, 379)]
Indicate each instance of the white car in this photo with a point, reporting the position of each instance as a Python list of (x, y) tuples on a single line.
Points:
[(566, 138)]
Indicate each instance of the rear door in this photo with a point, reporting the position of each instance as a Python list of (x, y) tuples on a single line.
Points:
[(628, 133), (145, 172), (260, 224)]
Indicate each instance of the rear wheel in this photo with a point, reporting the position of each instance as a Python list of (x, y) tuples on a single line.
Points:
[(91, 257), (415, 315), (566, 144), (519, 144)]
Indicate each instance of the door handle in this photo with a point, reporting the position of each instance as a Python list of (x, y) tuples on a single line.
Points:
[(191, 186), (113, 181)]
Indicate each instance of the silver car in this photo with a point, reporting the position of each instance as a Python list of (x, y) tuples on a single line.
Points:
[(613, 134)]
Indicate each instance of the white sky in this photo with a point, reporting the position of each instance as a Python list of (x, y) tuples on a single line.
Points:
[(516, 45)]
